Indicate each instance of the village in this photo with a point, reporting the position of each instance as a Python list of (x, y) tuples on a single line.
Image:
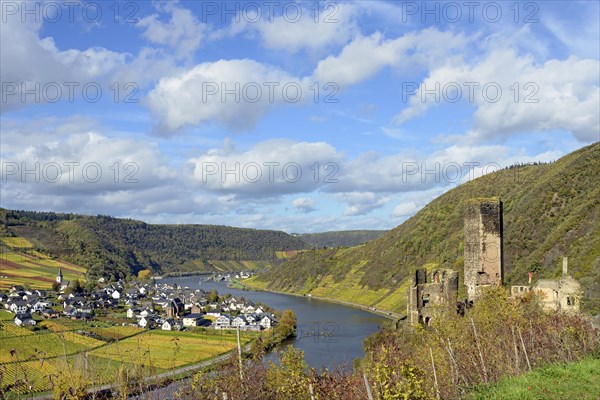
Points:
[(142, 304)]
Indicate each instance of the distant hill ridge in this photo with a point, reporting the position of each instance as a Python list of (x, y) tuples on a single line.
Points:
[(550, 211), (109, 246), (116, 247)]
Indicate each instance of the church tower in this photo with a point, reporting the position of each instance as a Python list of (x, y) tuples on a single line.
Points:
[(59, 277)]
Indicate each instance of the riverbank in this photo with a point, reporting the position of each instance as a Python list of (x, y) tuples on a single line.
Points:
[(384, 313), (183, 274), (329, 334)]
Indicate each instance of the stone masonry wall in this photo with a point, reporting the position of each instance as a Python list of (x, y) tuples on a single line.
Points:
[(483, 263)]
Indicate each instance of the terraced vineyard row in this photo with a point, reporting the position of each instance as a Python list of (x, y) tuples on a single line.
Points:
[(34, 361)]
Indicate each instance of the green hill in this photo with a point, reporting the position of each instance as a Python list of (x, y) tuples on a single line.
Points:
[(339, 238), (550, 211), (108, 246)]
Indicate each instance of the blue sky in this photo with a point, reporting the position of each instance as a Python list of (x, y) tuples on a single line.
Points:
[(300, 116)]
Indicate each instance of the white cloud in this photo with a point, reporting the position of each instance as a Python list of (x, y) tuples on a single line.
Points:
[(72, 158), (367, 55), (304, 204), (410, 171), (236, 93), (360, 203), (269, 168), (30, 60), (167, 194), (333, 26), (404, 209), (183, 33), (558, 94)]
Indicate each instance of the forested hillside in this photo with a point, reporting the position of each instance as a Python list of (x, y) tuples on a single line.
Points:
[(550, 211), (339, 238), (109, 246)]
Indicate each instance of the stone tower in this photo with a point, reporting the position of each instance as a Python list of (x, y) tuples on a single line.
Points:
[(59, 276), (483, 255)]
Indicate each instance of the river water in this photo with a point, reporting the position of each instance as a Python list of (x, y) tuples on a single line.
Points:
[(331, 335)]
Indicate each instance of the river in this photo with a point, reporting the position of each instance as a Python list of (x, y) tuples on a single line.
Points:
[(330, 334)]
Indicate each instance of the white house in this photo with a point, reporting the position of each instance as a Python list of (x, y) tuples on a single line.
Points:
[(167, 325), (144, 313), (240, 321), (132, 312), (116, 295), (214, 313), (24, 319), (18, 307), (143, 322), (266, 322), (38, 306), (192, 319), (223, 322)]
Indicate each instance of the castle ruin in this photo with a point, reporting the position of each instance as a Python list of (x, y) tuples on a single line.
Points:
[(425, 298), (483, 241), (483, 267), (560, 294)]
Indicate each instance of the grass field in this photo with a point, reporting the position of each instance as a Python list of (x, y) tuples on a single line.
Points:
[(105, 330), (169, 349), (16, 242), (49, 344), (21, 265), (579, 380), (286, 254), (8, 329), (59, 350), (37, 355), (38, 373)]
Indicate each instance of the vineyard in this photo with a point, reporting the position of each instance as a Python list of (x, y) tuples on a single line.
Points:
[(169, 349), (21, 264), (94, 353)]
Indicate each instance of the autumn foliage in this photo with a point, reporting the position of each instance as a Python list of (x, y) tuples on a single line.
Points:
[(498, 337)]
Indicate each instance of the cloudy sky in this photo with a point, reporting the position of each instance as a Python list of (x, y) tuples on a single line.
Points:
[(300, 116)]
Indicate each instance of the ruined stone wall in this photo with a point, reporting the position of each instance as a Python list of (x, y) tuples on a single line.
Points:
[(427, 294), (563, 294), (483, 262)]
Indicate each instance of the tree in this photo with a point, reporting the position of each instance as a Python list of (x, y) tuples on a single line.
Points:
[(74, 287), (212, 296), (286, 327), (144, 274), (90, 287)]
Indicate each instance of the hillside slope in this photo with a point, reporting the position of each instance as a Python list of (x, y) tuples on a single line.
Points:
[(116, 247), (339, 238), (20, 264), (549, 211)]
